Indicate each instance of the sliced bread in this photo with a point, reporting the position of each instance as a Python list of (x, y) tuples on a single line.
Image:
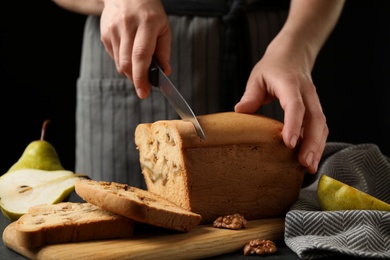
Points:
[(70, 222), (138, 204)]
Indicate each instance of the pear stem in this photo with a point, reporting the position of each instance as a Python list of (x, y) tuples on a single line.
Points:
[(43, 132)]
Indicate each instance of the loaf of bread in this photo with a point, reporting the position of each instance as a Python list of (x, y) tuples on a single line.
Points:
[(69, 222), (243, 166), (138, 204)]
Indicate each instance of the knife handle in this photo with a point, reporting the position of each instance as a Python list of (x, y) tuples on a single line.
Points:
[(153, 73)]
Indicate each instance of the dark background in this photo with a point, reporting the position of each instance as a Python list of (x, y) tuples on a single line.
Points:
[(352, 75), (40, 47)]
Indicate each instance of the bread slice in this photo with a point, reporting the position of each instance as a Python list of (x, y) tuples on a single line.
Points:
[(137, 204), (243, 166), (70, 222)]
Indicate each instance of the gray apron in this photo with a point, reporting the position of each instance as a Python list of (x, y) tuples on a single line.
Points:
[(211, 59)]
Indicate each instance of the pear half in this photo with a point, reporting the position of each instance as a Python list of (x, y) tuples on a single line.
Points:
[(24, 188), (335, 195)]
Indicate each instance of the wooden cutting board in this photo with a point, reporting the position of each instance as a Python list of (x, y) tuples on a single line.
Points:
[(202, 241)]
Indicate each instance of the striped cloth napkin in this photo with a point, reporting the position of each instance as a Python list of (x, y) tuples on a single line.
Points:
[(314, 234)]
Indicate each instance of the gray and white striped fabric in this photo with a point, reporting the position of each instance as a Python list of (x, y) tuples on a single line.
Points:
[(312, 233)]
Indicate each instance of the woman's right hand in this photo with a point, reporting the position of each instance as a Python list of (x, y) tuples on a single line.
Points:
[(133, 32)]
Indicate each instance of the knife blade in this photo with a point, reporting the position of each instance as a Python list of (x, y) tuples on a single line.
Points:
[(157, 78)]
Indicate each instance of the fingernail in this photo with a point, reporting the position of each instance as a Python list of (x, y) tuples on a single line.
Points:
[(315, 165), (140, 92), (293, 141), (309, 158)]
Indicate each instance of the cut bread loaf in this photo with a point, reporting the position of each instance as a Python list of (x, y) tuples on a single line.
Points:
[(70, 222), (243, 166), (138, 204)]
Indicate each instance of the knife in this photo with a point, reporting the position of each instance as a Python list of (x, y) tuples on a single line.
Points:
[(157, 78)]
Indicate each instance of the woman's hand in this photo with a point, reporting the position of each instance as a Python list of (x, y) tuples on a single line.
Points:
[(284, 72), (133, 32)]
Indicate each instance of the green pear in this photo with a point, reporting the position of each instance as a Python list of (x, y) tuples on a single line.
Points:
[(24, 188), (39, 154), (336, 195)]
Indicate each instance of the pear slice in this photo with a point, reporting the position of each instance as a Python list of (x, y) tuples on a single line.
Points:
[(335, 195), (24, 188)]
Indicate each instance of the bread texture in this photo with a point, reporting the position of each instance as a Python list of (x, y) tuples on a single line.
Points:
[(70, 222), (243, 166), (138, 204)]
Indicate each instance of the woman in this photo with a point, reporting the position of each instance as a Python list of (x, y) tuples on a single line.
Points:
[(215, 52)]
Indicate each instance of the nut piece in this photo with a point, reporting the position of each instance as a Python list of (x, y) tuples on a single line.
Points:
[(260, 247), (234, 221)]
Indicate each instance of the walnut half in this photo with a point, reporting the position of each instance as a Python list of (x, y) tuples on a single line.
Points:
[(260, 247), (234, 221)]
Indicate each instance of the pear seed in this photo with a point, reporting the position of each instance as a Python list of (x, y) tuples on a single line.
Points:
[(24, 188)]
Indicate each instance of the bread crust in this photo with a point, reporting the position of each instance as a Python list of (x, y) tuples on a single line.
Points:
[(137, 204), (70, 222), (223, 128)]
